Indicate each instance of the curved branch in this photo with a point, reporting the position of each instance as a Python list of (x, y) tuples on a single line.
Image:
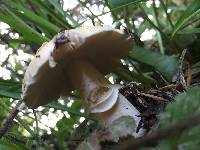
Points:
[(171, 131), (10, 119)]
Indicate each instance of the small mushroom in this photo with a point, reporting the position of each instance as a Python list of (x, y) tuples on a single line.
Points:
[(78, 59)]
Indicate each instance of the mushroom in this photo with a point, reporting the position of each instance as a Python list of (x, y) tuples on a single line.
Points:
[(78, 59)]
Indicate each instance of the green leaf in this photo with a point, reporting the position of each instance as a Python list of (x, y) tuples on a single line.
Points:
[(185, 104), (7, 145), (58, 106), (189, 31), (4, 147), (9, 82), (144, 25), (61, 12), (196, 65), (65, 125), (15, 138), (57, 17), (57, 6), (29, 15), (121, 3), (7, 93), (10, 89), (131, 75), (15, 22), (166, 65), (190, 12)]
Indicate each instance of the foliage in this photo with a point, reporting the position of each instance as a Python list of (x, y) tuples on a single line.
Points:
[(152, 62), (187, 104)]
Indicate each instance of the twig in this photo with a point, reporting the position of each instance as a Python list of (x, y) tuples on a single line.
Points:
[(168, 17), (25, 125), (180, 81), (157, 98), (171, 131), (16, 138), (36, 120), (10, 119), (93, 15), (156, 21), (167, 87), (37, 128), (189, 75), (153, 25), (33, 8), (165, 37), (162, 77)]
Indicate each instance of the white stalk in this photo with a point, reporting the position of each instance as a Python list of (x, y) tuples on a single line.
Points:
[(90, 83), (101, 97)]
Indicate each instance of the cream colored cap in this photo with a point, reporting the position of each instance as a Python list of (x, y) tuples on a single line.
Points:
[(45, 78)]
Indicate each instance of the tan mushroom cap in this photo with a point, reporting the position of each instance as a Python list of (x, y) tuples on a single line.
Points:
[(45, 78)]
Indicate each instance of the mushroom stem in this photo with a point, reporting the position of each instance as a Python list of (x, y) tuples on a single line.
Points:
[(89, 82), (102, 98)]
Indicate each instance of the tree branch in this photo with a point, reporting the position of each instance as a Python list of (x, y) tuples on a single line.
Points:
[(171, 131), (10, 119)]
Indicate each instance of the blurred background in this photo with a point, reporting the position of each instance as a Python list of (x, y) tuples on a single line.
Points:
[(160, 30)]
